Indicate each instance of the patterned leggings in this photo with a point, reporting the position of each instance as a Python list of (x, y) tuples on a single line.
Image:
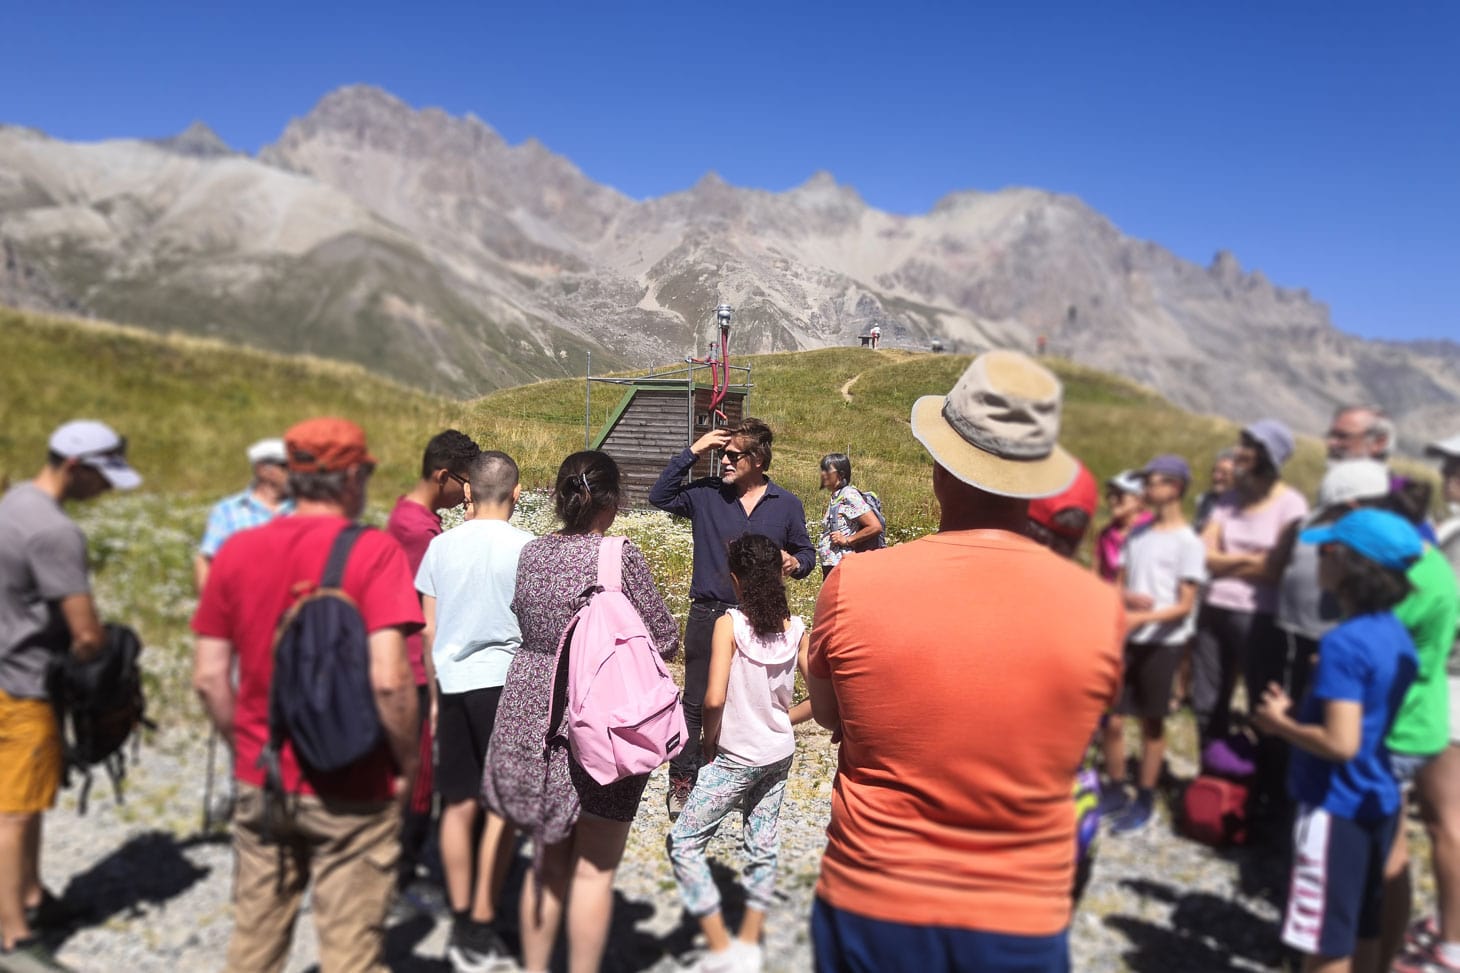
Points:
[(724, 785)]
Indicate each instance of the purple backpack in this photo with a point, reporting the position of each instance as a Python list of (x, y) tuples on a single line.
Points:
[(623, 715)]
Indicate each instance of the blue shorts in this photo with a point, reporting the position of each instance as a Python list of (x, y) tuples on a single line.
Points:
[(846, 942), (1338, 879)]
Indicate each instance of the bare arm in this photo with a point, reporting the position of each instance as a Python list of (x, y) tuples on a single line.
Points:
[(201, 565), (86, 631), (868, 527), (1336, 739), (428, 641), (722, 650), (213, 682), (801, 712), (395, 697), (1185, 602)]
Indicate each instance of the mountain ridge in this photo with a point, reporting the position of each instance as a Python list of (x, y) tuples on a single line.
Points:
[(427, 247)]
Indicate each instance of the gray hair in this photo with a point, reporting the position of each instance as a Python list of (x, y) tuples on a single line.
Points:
[(327, 487), (1381, 427)]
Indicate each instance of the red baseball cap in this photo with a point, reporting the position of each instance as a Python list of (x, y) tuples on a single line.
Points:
[(326, 445), (1083, 494)]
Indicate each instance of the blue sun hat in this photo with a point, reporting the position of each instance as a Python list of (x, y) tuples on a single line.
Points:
[(1385, 538)]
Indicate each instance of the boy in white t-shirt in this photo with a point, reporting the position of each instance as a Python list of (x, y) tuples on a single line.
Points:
[(1162, 567), (467, 580)]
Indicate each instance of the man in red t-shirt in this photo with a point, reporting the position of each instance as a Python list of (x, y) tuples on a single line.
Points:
[(965, 712), (342, 828), (414, 521)]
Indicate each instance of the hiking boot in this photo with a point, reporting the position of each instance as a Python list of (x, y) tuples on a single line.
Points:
[(476, 948), (30, 956), (1133, 819), (1424, 959), (677, 796)]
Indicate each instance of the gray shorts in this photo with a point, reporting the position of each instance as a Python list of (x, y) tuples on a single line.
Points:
[(1407, 765)]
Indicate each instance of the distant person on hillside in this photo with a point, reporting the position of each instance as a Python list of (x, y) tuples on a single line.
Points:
[(952, 817), (1348, 801), (414, 522), (341, 829), (466, 583), (876, 334), (849, 520), (1219, 483), (46, 611), (1125, 498), (1162, 567), (741, 500), (1360, 432), (266, 497), (748, 713), (1236, 635)]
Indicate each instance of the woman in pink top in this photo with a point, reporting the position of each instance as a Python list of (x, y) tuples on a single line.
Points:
[(1125, 498), (754, 654), (1235, 630)]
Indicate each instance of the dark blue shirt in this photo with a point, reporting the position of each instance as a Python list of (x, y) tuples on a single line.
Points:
[(1368, 659), (718, 517)]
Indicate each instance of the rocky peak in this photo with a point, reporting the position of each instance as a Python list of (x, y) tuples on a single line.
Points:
[(198, 141)]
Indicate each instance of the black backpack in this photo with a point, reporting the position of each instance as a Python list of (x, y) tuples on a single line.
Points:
[(320, 698), (99, 702)]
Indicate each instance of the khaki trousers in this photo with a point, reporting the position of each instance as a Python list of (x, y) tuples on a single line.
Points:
[(349, 849)]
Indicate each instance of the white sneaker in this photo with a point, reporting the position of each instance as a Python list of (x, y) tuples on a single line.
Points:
[(741, 957)]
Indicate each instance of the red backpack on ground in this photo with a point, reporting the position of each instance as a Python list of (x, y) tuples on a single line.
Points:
[(1214, 807)]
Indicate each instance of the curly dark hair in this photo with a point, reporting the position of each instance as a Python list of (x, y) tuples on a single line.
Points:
[(757, 437), (587, 484), (755, 560), (449, 450), (1365, 585)]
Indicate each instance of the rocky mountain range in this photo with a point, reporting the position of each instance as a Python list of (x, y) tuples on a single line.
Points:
[(426, 247)]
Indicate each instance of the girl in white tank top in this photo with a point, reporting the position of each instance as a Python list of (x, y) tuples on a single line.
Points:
[(748, 716)]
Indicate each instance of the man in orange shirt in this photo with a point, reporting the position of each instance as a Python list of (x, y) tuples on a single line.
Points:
[(964, 714)]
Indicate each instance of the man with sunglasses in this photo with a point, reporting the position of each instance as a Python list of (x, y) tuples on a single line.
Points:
[(46, 609), (266, 497), (415, 521), (741, 500)]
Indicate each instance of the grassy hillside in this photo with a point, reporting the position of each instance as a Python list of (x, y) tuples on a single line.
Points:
[(189, 407)]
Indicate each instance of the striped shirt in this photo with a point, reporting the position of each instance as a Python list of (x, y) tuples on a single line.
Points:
[(234, 513)]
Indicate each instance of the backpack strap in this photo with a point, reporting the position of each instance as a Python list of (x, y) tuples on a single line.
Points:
[(334, 568), (611, 563)]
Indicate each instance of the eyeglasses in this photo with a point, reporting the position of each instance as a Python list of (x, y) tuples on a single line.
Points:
[(1346, 436), (733, 456), (459, 479)]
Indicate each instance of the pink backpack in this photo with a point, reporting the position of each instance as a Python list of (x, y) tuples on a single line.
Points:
[(623, 716)]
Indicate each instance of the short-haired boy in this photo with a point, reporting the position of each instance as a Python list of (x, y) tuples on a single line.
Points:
[(467, 581), (1161, 568)]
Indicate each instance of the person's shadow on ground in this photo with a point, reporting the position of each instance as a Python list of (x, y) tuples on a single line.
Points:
[(1206, 933), (149, 869)]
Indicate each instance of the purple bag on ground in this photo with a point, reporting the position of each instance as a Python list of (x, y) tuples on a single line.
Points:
[(1233, 757)]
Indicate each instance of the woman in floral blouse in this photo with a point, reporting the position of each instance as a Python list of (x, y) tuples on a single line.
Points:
[(850, 521)]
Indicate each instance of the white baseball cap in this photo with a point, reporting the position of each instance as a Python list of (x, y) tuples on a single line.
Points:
[(268, 451), (96, 445), (1444, 448), (1353, 479)]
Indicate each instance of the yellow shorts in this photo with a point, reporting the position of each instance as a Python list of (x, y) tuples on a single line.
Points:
[(30, 755)]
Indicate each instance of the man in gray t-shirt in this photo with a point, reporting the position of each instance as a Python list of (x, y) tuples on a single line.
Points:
[(46, 610)]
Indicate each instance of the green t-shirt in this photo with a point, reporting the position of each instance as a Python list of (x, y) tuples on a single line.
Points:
[(1429, 613)]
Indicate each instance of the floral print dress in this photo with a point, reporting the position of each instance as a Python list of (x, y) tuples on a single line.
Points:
[(541, 790), (845, 508)]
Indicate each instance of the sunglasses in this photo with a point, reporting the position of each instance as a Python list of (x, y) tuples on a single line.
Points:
[(459, 479), (733, 456)]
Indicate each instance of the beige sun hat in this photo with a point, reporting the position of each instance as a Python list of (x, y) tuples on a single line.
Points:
[(996, 429)]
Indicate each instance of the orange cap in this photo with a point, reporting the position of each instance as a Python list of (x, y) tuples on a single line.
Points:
[(326, 445)]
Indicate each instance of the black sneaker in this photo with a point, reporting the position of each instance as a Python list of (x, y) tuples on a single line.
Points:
[(677, 796), (1113, 799), (476, 948)]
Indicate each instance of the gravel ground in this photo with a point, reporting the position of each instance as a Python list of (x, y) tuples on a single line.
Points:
[(160, 893)]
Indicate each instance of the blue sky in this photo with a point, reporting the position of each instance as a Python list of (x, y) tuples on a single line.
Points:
[(1320, 142)]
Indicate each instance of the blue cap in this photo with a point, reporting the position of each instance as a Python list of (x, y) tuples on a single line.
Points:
[(1167, 464), (1385, 538)]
